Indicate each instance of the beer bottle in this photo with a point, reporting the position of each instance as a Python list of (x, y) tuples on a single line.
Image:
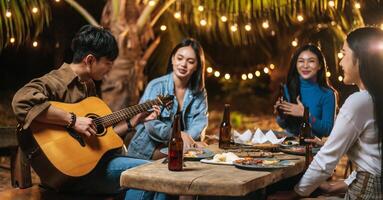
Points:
[(176, 145), (308, 154), (225, 129), (305, 128), (281, 99)]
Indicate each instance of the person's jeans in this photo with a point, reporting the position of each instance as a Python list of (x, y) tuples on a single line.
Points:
[(106, 180)]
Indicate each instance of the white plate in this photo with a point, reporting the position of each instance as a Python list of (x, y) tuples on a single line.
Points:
[(211, 161)]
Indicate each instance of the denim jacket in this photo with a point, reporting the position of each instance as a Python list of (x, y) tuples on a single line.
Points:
[(152, 133)]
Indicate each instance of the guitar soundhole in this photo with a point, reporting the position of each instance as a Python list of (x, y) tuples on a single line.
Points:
[(100, 128)]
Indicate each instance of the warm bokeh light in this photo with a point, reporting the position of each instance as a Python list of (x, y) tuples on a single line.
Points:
[(203, 22), (300, 18), (217, 74), (265, 24), (273, 33), (381, 26), (163, 28), (152, 3), (328, 74), (340, 78), (340, 55), (177, 15), (233, 28), (224, 18), (257, 73), (227, 76), (57, 0), (201, 8), (266, 70), (8, 14), (244, 77), (35, 10), (331, 3), (248, 27), (357, 5), (12, 40), (209, 70), (272, 66), (35, 44), (333, 23), (250, 76), (294, 43)]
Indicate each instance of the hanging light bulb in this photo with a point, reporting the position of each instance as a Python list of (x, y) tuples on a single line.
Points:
[(209, 70), (357, 5), (328, 74), (250, 76), (257, 73), (300, 18), (244, 77), (331, 3), (224, 18), (234, 28), (272, 66), (294, 43), (35, 44), (57, 0), (12, 40), (8, 14), (152, 3), (265, 24), (227, 76), (35, 10), (177, 15), (203, 22), (163, 28), (200, 8), (340, 55), (217, 74), (248, 27), (340, 78), (266, 70)]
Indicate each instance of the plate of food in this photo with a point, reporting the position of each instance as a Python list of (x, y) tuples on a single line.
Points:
[(298, 150), (262, 163), (222, 159), (193, 153), (290, 143), (254, 153)]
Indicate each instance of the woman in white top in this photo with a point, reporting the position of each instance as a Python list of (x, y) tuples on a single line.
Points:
[(358, 128)]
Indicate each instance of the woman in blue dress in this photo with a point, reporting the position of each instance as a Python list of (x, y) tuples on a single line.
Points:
[(307, 86)]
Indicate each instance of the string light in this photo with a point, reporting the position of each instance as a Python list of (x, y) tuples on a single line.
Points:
[(209, 70), (224, 18), (340, 78), (12, 40), (340, 55), (35, 10), (234, 28), (250, 76), (244, 77), (294, 43), (381, 26), (8, 14), (328, 74), (300, 18), (177, 15), (57, 0), (333, 23), (357, 5), (257, 73), (35, 44), (152, 3), (163, 28), (266, 70), (217, 74), (203, 22), (227, 76), (265, 24), (272, 66), (331, 3), (200, 8), (248, 27)]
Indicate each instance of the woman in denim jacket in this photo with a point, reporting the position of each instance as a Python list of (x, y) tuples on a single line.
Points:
[(186, 81)]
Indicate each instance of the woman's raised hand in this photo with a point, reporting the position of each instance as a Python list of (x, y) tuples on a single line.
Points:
[(293, 109)]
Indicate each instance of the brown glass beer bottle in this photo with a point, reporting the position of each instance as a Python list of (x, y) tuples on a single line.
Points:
[(225, 129), (281, 99), (305, 128), (176, 145)]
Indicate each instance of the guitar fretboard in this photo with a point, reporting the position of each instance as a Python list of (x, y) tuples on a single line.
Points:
[(126, 113)]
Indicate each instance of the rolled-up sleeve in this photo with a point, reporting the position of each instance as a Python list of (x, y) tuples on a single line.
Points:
[(30, 101), (200, 117)]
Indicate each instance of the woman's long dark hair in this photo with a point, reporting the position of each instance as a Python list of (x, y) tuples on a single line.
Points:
[(367, 46), (197, 80)]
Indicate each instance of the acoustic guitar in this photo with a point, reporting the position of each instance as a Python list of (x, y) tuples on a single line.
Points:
[(60, 155)]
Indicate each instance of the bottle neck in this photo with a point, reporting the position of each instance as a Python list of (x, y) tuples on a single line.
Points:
[(226, 115), (306, 115), (176, 129)]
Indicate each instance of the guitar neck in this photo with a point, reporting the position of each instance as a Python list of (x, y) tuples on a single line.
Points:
[(126, 113)]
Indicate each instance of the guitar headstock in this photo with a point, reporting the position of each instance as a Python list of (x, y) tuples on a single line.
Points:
[(166, 101)]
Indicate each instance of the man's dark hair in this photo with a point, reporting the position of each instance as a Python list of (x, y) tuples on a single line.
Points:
[(96, 41)]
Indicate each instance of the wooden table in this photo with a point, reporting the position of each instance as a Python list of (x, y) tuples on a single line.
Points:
[(205, 179)]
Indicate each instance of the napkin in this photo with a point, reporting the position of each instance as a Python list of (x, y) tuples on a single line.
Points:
[(257, 138), (243, 138)]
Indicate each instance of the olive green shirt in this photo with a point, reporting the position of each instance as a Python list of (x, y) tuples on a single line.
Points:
[(61, 85)]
